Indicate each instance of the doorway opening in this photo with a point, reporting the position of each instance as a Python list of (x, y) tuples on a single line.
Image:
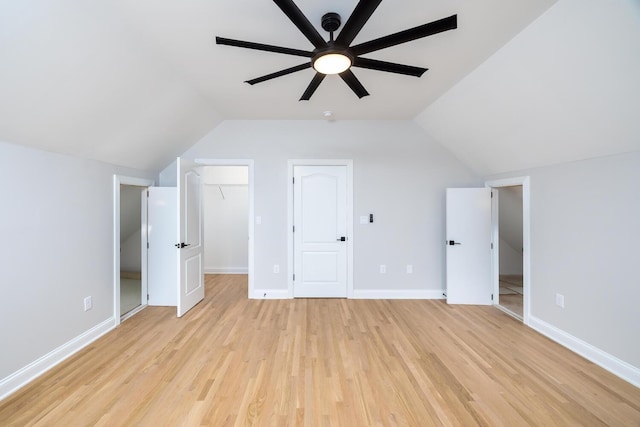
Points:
[(226, 224), (511, 293), (130, 246), (228, 217), (132, 198), (510, 228)]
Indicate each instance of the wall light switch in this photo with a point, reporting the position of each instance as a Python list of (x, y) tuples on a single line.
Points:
[(560, 300), (383, 269), (409, 269), (258, 220), (276, 268)]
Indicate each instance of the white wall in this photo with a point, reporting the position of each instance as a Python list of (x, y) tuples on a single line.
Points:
[(400, 176), (585, 230), (226, 229), (131, 253), (57, 212), (510, 259)]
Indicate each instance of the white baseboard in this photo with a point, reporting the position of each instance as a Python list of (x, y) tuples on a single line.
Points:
[(226, 270), (398, 294), (605, 360), (360, 294), (270, 294), (33, 370)]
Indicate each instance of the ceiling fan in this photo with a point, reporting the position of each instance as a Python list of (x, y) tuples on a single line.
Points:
[(338, 56)]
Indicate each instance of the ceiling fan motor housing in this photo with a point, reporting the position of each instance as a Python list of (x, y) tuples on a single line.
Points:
[(330, 22)]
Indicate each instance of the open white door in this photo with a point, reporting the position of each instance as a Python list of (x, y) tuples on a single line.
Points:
[(469, 246), (163, 217), (190, 236)]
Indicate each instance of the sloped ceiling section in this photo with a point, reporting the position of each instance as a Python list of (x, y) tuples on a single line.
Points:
[(74, 80), (565, 89), (183, 34)]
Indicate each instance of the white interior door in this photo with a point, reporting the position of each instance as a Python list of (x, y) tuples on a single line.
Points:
[(320, 231), (163, 220), (469, 246), (190, 236)]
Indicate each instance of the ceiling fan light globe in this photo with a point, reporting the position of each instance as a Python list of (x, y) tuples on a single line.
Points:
[(332, 63)]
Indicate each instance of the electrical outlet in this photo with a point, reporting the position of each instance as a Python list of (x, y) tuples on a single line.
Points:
[(409, 269), (276, 268), (88, 304), (383, 269), (560, 300)]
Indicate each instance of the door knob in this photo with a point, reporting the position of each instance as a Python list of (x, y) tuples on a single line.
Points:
[(341, 239), (453, 242), (182, 245)]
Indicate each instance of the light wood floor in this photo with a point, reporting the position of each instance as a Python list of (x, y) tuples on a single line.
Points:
[(234, 361)]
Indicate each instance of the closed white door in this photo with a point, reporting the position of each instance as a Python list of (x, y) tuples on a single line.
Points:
[(469, 246), (190, 236), (320, 231), (162, 223)]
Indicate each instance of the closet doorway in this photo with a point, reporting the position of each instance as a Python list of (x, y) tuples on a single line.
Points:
[(130, 246), (248, 166), (510, 274), (226, 219), (511, 261)]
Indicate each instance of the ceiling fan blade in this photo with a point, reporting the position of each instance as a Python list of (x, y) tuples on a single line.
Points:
[(360, 15), (353, 82), (390, 67), (299, 20), (266, 47), (425, 30), (315, 82), (279, 73)]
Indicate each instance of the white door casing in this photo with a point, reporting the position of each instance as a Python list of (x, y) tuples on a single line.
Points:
[(320, 225), (468, 234), (163, 272), (189, 236)]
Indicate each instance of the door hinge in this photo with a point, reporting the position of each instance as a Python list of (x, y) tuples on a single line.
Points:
[(294, 228), (491, 245), (294, 277), (293, 180), (492, 194), (491, 297), (147, 193), (147, 245)]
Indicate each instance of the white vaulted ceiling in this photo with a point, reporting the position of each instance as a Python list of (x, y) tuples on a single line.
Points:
[(565, 89), (137, 82)]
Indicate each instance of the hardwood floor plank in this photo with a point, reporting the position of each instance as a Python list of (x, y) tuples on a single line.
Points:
[(233, 361)]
